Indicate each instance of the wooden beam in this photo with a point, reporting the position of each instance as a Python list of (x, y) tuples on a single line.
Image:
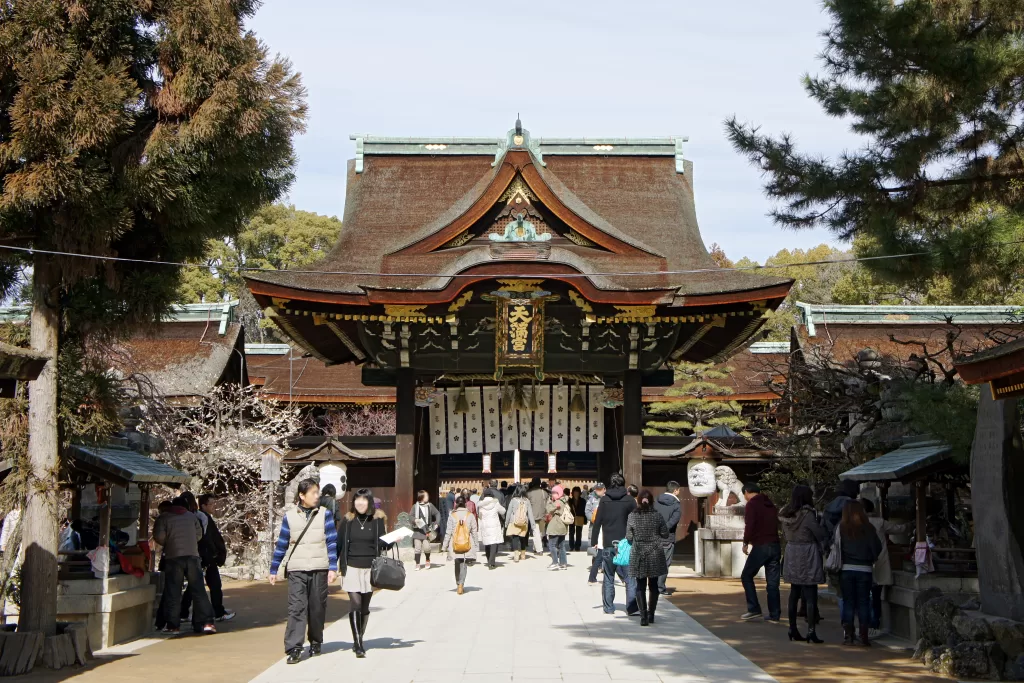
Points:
[(405, 438)]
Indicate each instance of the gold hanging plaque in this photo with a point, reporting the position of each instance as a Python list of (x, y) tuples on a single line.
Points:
[(519, 334)]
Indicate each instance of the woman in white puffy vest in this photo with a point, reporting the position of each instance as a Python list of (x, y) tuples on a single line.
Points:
[(308, 550)]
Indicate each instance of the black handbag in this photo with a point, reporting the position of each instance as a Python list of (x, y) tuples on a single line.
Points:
[(387, 573)]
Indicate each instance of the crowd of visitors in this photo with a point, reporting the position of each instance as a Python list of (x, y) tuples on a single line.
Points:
[(632, 540), (193, 552), (843, 544)]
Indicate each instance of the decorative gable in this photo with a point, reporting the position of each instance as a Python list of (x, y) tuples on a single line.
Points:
[(519, 227)]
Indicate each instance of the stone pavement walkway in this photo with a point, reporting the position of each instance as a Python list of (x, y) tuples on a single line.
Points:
[(518, 622)]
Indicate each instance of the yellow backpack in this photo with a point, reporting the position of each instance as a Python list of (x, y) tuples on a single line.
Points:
[(462, 542)]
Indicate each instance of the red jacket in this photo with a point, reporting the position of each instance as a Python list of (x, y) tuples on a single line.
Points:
[(761, 521)]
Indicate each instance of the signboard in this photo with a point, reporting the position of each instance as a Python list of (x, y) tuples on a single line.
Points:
[(519, 334)]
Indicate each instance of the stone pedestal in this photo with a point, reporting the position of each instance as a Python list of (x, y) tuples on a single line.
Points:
[(118, 612), (908, 590), (719, 550)]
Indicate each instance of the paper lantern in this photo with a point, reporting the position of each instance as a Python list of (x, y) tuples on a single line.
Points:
[(487, 463), (552, 463)]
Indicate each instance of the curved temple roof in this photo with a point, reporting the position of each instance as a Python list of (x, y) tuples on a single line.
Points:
[(408, 197)]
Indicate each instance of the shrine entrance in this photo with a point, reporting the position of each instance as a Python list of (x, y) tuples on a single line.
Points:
[(521, 304)]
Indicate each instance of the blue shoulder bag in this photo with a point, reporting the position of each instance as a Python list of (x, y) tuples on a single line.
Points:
[(622, 551)]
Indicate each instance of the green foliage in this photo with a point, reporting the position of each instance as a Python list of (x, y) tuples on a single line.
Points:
[(704, 403), (277, 237), (813, 284), (934, 87), (947, 412), (137, 130)]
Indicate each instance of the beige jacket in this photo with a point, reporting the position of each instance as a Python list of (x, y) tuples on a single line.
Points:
[(311, 554), (882, 571)]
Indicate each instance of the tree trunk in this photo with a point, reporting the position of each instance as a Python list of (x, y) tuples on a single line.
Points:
[(39, 525), (997, 478)]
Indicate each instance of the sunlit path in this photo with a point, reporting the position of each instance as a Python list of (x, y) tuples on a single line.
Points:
[(519, 622)]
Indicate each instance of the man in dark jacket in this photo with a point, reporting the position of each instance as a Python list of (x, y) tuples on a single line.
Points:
[(848, 490), (495, 492), (610, 525), (447, 504), (179, 532), (214, 553), (667, 505), (762, 548)]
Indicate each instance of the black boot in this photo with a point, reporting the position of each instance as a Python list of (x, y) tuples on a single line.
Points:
[(812, 636), (652, 603), (294, 655), (848, 634), (641, 604), (794, 632), (864, 639), (357, 639), (363, 618), (314, 649)]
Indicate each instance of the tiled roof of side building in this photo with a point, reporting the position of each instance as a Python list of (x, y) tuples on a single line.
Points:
[(839, 333), (753, 369), (312, 381)]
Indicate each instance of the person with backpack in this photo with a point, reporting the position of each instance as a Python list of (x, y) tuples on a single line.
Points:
[(519, 523), (207, 558), (213, 553), (307, 550), (461, 541), (559, 518)]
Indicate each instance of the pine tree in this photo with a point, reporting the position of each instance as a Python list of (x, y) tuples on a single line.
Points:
[(703, 402), (934, 87), (134, 129)]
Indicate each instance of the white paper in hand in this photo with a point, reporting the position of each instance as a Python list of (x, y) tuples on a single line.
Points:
[(397, 535)]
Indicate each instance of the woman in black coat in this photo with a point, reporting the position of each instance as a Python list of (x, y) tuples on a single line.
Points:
[(646, 532), (358, 544), (803, 567)]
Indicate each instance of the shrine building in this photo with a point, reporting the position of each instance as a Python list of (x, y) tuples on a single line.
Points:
[(518, 294)]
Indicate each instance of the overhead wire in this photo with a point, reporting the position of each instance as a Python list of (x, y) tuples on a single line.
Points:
[(356, 273)]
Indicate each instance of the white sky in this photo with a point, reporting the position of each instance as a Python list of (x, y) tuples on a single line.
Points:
[(571, 68)]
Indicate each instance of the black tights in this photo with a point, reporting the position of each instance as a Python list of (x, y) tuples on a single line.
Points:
[(359, 602), (809, 593), (649, 584)]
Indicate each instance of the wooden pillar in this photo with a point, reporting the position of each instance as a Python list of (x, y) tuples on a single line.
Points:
[(632, 438), (144, 503), (105, 527), (405, 438), (75, 513), (920, 504)]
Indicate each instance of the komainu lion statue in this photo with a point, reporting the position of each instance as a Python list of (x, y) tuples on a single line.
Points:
[(727, 482)]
